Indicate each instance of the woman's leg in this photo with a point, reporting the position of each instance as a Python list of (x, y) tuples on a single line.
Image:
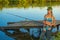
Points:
[(49, 35), (42, 36)]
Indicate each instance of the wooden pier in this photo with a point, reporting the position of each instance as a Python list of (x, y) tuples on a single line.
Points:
[(15, 26)]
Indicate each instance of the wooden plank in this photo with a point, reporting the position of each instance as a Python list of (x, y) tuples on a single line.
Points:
[(18, 27)]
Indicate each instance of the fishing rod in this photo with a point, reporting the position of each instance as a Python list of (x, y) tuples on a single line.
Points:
[(23, 17), (20, 16)]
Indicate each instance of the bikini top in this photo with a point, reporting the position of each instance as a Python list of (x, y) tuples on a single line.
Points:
[(48, 19)]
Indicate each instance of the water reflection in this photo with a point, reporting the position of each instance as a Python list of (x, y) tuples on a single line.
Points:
[(4, 37)]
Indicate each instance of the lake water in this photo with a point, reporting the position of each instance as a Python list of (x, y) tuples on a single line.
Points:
[(35, 13)]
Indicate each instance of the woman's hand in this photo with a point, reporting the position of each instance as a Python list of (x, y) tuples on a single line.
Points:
[(44, 29), (49, 28), (48, 23), (53, 24)]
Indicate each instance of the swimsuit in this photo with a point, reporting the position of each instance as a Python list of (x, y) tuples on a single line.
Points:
[(47, 26)]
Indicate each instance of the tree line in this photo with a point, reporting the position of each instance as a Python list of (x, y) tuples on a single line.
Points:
[(27, 3)]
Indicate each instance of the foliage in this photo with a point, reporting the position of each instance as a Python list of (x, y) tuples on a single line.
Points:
[(57, 36), (27, 3)]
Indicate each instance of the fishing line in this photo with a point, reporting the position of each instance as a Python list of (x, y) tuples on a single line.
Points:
[(23, 17)]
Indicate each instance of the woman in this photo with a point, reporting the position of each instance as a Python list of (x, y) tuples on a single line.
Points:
[(49, 22)]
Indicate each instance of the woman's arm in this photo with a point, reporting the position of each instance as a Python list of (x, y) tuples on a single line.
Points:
[(44, 21), (54, 21)]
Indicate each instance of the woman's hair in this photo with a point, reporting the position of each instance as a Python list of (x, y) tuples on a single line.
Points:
[(50, 8), (51, 13)]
